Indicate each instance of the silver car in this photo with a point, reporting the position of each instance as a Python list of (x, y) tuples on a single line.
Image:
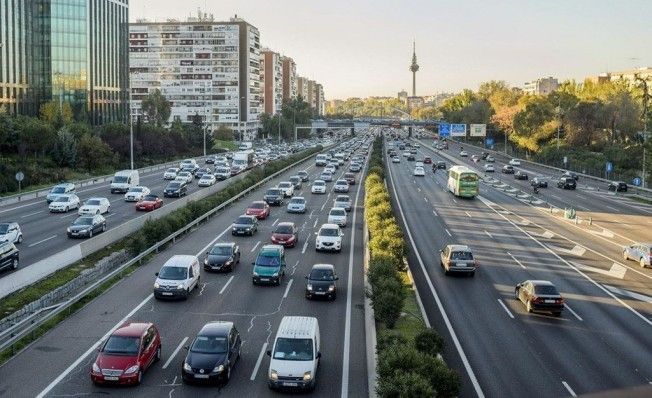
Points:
[(641, 252), (297, 205), (343, 201), (337, 216), (457, 258), (10, 232)]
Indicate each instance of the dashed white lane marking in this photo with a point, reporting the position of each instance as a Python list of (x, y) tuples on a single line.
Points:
[(42, 240), (569, 389), (226, 284), (260, 359), (287, 289), (555, 196), (515, 259), (467, 213), (32, 214), (315, 224), (612, 208), (454, 200), (579, 318), (305, 246), (426, 199), (255, 246), (175, 352), (275, 221), (449, 234), (435, 213), (488, 234), (505, 308)]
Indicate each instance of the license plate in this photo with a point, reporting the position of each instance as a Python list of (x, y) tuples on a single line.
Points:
[(290, 384), (320, 292), (264, 279), (167, 293), (74, 233), (201, 376), (549, 301), (111, 378)]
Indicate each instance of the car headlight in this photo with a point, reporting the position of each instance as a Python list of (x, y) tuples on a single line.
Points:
[(156, 285), (218, 369), (275, 274), (273, 374), (255, 273), (132, 369), (180, 286), (187, 367), (68, 229), (228, 262), (307, 376), (96, 368), (309, 286), (331, 288), (205, 261)]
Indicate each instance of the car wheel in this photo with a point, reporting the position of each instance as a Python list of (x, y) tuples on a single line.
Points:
[(14, 263), (642, 262), (20, 239), (528, 306)]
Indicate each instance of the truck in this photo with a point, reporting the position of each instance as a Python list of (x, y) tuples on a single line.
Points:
[(243, 159), (123, 180)]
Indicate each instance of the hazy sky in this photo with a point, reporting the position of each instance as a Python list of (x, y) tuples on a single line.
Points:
[(364, 47)]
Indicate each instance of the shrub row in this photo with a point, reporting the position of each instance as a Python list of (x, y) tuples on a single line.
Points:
[(154, 231), (405, 368)]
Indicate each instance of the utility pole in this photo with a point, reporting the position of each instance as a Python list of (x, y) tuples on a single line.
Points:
[(131, 126)]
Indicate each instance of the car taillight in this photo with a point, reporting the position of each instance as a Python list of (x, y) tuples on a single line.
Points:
[(559, 301)]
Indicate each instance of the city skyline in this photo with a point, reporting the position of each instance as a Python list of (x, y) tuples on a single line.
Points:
[(513, 41)]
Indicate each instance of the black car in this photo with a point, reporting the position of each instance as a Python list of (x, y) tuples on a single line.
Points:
[(86, 226), (200, 172), (567, 183), (484, 155), (520, 175), (8, 255), (617, 186), (274, 196), (508, 169), (540, 296), (439, 165), (245, 225), (190, 169), (571, 175), (321, 282), (304, 175), (539, 182), (222, 257), (175, 188), (296, 182), (212, 354), (411, 157)]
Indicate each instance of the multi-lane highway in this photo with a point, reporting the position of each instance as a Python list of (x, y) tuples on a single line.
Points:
[(602, 339), (59, 363)]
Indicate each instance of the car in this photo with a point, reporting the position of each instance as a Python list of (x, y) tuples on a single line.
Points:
[(507, 169), (9, 256), (413, 151), (95, 206), (396, 159), (514, 162), (406, 154), (539, 182), (86, 226), (60, 189), (258, 208), (185, 176), (210, 159), (64, 203), (457, 259), (269, 266), (297, 204), (341, 186), (332, 167), (177, 278), (617, 186), (326, 176), (322, 282), (567, 183), (149, 202), (350, 178), (222, 173), (10, 232), (490, 159), (355, 167), (411, 158), (343, 201), (212, 354), (419, 172), (641, 252), (126, 354), (571, 175), (285, 234), (489, 168), (175, 188), (204, 170), (539, 295), (274, 196), (171, 173), (463, 154), (521, 175), (329, 237), (222, 257), (418, 164), (319, 186), (337, 215), (439, 165), (305, 177), (475, 158), (296, 181), (245, 225), (188, 163), (134, 194), (206, 180), (427, 160), (485, 155)]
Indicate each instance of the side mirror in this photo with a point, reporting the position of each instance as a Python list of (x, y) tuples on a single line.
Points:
[(156, 273), (253, 263), (269, 353), (441, 251), (316, 233), (307, 276)]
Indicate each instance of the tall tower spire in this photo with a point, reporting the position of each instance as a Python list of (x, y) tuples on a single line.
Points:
[(414, 68)]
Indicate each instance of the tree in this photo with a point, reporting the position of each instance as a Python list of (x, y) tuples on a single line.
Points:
[(157, 108), (428, 341), (223, 133), (56, 116), (405, 385), (65, 149), (387, 297), (93, 153)]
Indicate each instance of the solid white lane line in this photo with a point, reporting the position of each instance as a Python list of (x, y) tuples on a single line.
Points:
[(449, 234), (419, 189), (454, 200), (32, 214), (505, 308), (260, 359), (226, 284), (612, 208), (20, 207), (488, 234), (440, 306), (569, 389), (69, 215), (175, 352), (515, 259), (555, 196), (305, 245), (79, 360), (287, 289), (579, 318), (255, 246), (43, 240), (467, 213)]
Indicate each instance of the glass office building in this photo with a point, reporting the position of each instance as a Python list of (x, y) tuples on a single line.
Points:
[(72, 51)]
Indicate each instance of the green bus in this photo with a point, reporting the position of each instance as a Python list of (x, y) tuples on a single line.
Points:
[(462, 181)]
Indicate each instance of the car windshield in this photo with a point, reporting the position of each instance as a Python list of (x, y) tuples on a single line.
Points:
[(297, 200), (120, 179), (285, 184), (268, 260), (184, 174), (283, 229), (62, 199), (257, 205), (136, 189), (83, 221), (295, 179), (273, 192), (4, 228), (319, 183), (206, 176), (58, 190), (210, 345), (322, 275), (122, 345), (92, 202), (174, 185), (461, 256), (546, 289), (328, 232), (244, 220), (172, 170), (293, 349), (173, 273), (342, 198), (150, 198), (221, 251), (338, 212)]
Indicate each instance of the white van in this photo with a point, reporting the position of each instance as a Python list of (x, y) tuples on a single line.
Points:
[(295, 354), (123, 180), (177, 277)]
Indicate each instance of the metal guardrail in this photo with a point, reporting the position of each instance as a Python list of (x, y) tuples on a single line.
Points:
[(58, 309)]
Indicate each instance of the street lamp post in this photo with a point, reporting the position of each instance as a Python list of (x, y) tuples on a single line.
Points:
[(131, 127)]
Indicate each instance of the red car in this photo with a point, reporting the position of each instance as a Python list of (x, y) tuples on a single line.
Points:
[(427, 160), (149, 203), (259, 208), (350, 178), (127, 354), (285, 234)]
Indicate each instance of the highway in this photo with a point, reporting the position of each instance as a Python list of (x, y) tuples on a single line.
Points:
[(602, 339), (70, 348)]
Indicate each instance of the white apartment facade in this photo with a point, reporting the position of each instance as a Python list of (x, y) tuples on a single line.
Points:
[(203, 67), (543, 86), (271, 81)]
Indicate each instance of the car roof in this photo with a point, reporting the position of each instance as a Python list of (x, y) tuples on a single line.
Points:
[(216, 328), (132, 329), (539, 282), (342, 197), (459, 248), (324, 266), (338, 208), (258, 202), (224, 244), (327, 225), (286, 224), (342, 182), (297, 327), (298, 197), (180, 260), (271, 249)]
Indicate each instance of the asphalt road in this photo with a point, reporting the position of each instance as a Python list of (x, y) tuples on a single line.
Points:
[(600, 342), (59, 363)]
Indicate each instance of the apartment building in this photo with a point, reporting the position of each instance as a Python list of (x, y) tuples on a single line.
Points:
[(289, 79), (543, 86), (271, 81)]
